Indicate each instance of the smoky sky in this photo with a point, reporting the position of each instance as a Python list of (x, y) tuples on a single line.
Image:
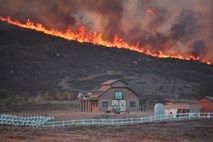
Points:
[(176, 27)]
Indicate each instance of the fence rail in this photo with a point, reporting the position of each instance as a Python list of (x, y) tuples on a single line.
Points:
[(85, 122)]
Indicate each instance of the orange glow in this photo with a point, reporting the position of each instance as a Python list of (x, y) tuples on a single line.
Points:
[(96, 38)]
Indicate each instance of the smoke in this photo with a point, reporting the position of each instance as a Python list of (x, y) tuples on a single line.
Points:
[(198, 48), (186, 26), (175, 27)]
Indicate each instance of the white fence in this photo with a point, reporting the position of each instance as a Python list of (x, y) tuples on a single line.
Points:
[(9, 119), (114, 121)]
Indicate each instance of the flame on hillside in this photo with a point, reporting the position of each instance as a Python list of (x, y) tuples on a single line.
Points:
[(96, 38)]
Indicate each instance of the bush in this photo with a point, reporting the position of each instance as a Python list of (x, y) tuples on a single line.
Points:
[(68, 96)]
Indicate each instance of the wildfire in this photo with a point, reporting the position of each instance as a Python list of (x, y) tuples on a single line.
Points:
[(96, 38)]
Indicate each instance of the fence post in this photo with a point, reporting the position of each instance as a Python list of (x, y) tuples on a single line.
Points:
[(73, 122), (131, 121), (112, 122), (151, 118), (141, 119), (102, 121), (208, 116), (53, 124), (93, 121), (63, 123), (122, 121), (83, 122)]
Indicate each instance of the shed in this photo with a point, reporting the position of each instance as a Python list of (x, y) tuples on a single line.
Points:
[(174, 108), (206, 104)]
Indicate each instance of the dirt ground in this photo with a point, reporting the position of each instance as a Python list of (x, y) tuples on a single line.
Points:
[(67, 115), (179, 131)]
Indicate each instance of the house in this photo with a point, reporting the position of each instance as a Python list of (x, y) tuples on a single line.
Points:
[(206, 104), (174, 108), (113, 94)]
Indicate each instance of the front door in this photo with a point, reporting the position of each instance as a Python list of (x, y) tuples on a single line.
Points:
[(94, 106)]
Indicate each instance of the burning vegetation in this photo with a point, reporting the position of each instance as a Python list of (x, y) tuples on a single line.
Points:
[(163, 29), (96, 38)]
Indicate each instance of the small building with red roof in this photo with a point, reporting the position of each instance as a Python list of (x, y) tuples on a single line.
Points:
[(206, 104)]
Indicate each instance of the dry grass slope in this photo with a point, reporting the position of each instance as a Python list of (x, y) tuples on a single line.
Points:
[(32, 62)]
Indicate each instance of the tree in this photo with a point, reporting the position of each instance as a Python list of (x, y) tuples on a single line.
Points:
[(38, 99), (68, 96), (56, 95), (46, 95)]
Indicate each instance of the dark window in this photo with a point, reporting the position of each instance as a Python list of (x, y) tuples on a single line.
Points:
[(104, 104), (118, 95), (132, 103)]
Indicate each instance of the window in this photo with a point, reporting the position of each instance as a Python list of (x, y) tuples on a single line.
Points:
[(132, 103), (118, 95), (104, 104)]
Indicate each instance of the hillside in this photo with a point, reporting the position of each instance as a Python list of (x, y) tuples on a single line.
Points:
[(31, 62)]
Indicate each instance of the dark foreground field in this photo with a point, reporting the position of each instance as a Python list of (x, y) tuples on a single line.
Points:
[(187, 131)]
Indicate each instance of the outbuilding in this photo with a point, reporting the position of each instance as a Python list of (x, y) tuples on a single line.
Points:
[(206, 104), (175, 108)]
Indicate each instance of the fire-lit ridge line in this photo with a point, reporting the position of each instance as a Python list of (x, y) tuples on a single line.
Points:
[(96, 38)]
